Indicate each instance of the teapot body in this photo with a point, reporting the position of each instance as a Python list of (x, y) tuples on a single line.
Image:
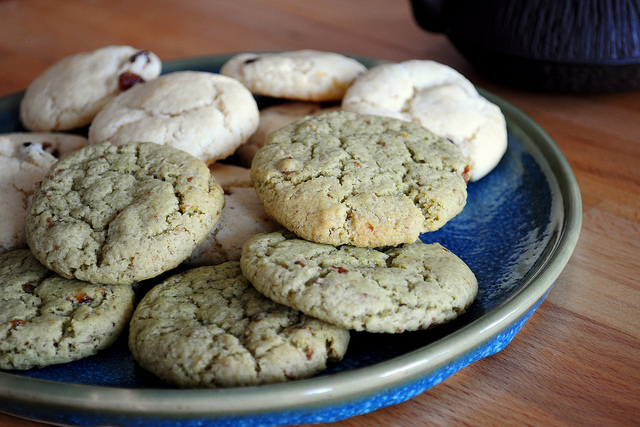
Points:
[(559, 45)]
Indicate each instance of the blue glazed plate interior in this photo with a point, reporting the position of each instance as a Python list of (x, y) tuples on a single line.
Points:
[(516, 233)]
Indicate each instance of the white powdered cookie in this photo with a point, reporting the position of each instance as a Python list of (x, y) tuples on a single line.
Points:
[(242, 218), (273, 118), (70, 93), (205, 114), (440, 99), (305, 75), (25, 158)]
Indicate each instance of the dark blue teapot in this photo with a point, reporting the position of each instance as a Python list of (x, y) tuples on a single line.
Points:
[(580, 46)]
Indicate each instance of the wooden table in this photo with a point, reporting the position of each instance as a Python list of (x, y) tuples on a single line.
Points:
[(577, 360)]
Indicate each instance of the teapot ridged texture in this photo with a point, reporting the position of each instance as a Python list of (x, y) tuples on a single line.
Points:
[(591, 31)]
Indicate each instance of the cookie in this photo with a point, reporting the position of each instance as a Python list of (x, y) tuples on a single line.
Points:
[(440, 99), (70, 93), (230, 175), (303, 75), (273, 118), (410, 287), (242, 217), (208, 327), (344, 178), (25, 158), (117, 215), (46, 319), (205, 114)]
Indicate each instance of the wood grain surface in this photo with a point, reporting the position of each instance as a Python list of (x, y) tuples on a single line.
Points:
[(577, 360)]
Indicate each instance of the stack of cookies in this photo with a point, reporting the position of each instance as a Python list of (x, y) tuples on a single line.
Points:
[(268, 262), (354, 192)]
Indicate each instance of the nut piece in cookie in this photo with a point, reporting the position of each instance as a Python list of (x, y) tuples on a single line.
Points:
[(440, 99), (205, 114), (70, 93), (46, 319), (117, 215), (362, 180), (406, 288), (208, 327), (302, 75), (25, 158)]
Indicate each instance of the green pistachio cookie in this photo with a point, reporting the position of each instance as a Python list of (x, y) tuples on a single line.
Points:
[(362, 180), (46, 319), (406, 288), (116, 215), (208, 327)]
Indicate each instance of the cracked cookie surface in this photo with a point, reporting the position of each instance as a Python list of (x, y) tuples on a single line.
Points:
[(440, 99), (391, 290), (69, 94), (25, 158), (362, 180), (117, 215), (46, 319), (208, 327), (302, 75), (205, 114)]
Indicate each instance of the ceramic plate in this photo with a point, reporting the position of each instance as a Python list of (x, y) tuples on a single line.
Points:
[(517, 232)]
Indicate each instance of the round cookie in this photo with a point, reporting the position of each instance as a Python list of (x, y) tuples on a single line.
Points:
[(242, 217), (406, 288), (46, 319), (205, 114), (303, 75), (118, 215), (273, 118), (25, 158), (70, 93), (208, 327), (440, 99), (343, 178)]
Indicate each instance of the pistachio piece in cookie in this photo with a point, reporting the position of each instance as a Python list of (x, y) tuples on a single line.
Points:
[(117, 215)]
